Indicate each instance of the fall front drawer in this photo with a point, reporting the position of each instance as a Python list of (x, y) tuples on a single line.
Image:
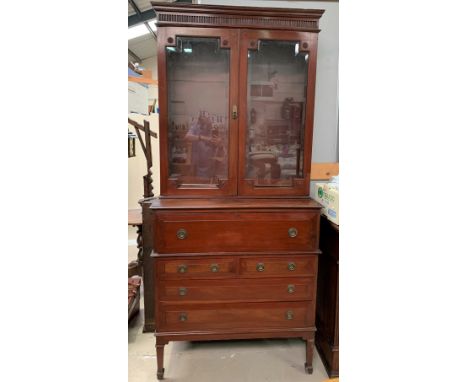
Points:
[(282, 289), (177, 232), (207, 267), (285, 265), (183, 317)]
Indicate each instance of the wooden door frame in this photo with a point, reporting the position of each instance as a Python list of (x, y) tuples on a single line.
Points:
[(308, 43), (229, 39)]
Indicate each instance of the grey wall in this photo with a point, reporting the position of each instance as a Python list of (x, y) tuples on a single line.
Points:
[(325, 145)]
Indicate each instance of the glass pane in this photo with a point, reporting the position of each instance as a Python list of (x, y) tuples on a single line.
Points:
[(276, 99), (198, 91)]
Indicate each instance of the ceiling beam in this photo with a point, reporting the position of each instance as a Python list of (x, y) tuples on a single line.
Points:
[(138, 12), (138, 59), (141, 17)]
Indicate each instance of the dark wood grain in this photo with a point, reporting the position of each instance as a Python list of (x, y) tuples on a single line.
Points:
[(245, 315), (234, 203), (237, 290), (183, 15), (236, 231), (278, 266), (245, 273), (197, 268), (327, 297)]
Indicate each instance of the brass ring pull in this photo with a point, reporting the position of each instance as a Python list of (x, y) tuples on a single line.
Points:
[(291, 288), (291, 266), (182, 268), (214, 268), (181, 234), (289, 315), (182, 291), (183, 317), (260, 267), (292, 232)]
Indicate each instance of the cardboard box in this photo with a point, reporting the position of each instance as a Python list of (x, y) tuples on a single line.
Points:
[(327, 194)]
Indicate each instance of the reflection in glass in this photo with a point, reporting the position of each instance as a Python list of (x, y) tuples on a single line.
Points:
[(198, 89), (276, 99)]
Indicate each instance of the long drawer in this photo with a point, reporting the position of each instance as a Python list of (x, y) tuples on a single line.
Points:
[(186, 317), (236, 231), (274, 289)]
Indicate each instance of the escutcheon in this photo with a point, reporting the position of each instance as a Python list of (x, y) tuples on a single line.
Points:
[(292, 232), (181, 234)]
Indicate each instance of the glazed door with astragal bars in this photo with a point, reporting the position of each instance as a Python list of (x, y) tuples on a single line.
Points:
[(277, 82), (197, 74), (237, 106)]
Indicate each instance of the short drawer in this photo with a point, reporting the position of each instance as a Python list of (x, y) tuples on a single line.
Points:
[(178, 317), (289, 266), (279, 289), (177, 232), (196, 268)]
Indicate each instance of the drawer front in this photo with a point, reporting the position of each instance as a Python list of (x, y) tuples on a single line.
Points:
[(280, 289), (196, 268), (178, 317), (236, 231), (291, 266)]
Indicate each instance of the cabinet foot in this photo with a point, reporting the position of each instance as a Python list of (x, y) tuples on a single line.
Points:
[(309, 354), (160, 357), (160, 374)]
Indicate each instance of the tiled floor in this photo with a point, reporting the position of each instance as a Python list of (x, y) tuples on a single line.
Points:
[(217, 361)]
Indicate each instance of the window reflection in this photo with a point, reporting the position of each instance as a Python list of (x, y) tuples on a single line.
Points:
[(277, 80), (198, 89)]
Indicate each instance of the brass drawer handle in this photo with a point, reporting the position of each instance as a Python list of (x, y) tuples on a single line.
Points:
[(289, 315), (183, 317), (260, 267), (182, 268), (214, 268), (234, 111), (291, 288), (292, 232), (291, 266), (182, 291), (181, 234)]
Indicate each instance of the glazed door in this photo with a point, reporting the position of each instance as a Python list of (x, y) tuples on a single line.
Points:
[(277, 82), (198, 73)]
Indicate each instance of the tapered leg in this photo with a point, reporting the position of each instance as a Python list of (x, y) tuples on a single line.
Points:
[(309, 354), (160, 356)]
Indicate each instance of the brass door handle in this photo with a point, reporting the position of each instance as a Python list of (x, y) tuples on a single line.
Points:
[(182, 291), (289, 315), (291, 288), (214, 268), (292, 232), (234, 112), (181, 234), (291, 266), (183, 317), (182, 268), (260, 267)]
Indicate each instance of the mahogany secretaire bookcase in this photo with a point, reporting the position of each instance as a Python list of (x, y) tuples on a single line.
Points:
[(231, 244)]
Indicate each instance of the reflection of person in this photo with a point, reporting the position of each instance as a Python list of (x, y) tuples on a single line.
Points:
[(204, 146)]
